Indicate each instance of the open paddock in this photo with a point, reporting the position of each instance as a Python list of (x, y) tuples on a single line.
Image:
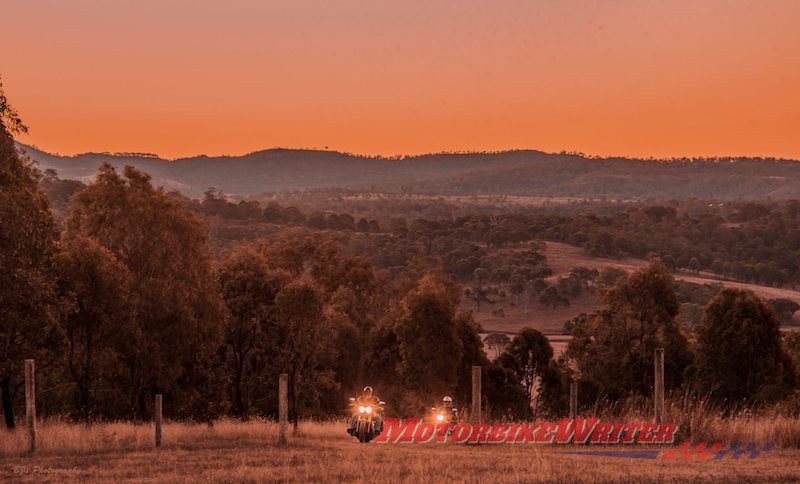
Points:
[(234, 451)]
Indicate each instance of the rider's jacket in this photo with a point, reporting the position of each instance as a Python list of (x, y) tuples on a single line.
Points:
[(453, 414)]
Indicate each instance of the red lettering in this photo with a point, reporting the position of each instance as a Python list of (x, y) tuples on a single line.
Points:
[(461, 433), (546, 433), (513, 430), (666, 434), (648, 434), (601, 433), (395, 430), (479, 432), (441, 432), (630, 433), (616, 433), (583, 429), (498, 434), (526, 433), (425, 433)]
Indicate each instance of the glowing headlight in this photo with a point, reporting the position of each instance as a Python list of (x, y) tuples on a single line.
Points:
[(361, 408), (369, 409), (440, 417)]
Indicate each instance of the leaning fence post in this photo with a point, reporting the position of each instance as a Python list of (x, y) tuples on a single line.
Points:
[(658, 394), (283, 407), (30, 402), (158, 418), (573, 399), (476, 394)]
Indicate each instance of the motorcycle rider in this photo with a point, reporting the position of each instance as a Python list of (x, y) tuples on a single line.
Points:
[(367, 397), (447, 403)]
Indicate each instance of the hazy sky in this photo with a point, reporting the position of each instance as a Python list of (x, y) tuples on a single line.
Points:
[(178, 78)]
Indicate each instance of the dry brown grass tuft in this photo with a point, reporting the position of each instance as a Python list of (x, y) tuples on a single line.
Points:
[(60, 437), (701, 421)]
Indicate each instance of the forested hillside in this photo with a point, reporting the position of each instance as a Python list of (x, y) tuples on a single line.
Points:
[(531, 173)]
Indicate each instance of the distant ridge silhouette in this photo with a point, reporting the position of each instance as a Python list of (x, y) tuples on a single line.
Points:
[(522, 172)]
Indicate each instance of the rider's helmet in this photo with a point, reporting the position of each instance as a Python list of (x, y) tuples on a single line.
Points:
[(368, 391), (448, 401)]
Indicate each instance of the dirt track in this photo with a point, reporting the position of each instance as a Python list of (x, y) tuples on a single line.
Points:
[(563, 257)]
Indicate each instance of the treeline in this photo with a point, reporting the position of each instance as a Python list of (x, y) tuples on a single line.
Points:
[(397, 242), (215, 203), (756, 242), (573, 175), (735, 357)]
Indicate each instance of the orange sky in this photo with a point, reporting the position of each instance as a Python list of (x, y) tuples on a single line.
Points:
[(183, 77)]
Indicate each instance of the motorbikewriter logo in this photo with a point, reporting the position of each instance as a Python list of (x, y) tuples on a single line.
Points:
[(566, 431)]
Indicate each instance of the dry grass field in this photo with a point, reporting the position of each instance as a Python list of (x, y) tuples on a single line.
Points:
[(233, 451)]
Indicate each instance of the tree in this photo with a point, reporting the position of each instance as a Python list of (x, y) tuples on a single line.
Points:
[(430, 346), (506, 395), (517, 285), (249, 289), (552, 297), (609, 276), (478, 292), (528, 354), (353, 297), (472, 354), (791, 344), (553, 396), (784, 308), (9, 118), (614, 348), (27, 282), (497, 342), (97, 285), (301, 338), (740, 357), (178, 308)]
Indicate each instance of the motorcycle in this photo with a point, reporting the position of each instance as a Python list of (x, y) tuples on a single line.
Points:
[(366, 415), (439, 416), (443, 416)]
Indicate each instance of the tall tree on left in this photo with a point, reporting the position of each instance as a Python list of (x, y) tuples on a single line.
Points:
[(178, 327), (28, 323)]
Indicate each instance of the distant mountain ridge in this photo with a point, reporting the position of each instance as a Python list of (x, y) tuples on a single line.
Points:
[(524, 172)]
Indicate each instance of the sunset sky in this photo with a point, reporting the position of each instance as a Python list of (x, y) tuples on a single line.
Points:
[(180, 78)]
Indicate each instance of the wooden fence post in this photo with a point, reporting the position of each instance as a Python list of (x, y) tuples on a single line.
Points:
[(476, 394), (573, 399), (158, 418), (30, 402), (283, 407), (658, 394)]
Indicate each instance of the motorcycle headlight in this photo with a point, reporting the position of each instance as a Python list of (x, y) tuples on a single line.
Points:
[(361, 408), (368, 409), (440, 417)]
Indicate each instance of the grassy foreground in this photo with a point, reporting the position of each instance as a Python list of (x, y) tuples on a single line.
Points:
[(234, 451)]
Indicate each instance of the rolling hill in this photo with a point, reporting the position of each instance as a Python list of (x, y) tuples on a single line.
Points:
[(528, 173)]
